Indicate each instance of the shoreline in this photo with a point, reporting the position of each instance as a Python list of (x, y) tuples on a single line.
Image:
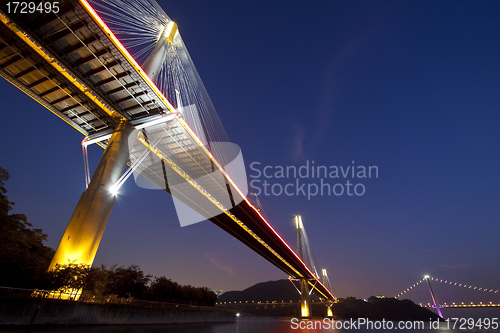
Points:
[(50, 312)]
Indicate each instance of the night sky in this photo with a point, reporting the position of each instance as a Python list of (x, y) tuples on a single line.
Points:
[(412, 87)]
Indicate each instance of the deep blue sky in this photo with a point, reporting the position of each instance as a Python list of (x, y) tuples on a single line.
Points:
[(412, 87)]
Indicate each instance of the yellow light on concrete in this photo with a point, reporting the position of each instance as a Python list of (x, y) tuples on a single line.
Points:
[(171, 31), (298, 222), (329, 312), (304, 309)]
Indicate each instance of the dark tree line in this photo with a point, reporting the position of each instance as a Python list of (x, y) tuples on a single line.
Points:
[(127, 282), (166, 290), (24, 260), (23, 256)]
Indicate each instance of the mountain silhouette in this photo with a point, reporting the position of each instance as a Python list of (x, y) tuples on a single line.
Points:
[(277, 291)]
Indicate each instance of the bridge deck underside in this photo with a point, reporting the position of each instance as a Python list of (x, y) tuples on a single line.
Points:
[(80, 46)]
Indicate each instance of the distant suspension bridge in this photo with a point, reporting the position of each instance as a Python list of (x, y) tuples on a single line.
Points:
[(457, 295)]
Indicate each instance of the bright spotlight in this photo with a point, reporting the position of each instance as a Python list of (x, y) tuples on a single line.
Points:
[(114, 191)]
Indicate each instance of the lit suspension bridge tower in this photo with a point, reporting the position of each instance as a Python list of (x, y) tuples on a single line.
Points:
[(307, 284), (305, 299), (85, 229)]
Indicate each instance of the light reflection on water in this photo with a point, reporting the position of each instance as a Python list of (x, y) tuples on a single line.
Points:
[(249, 325)]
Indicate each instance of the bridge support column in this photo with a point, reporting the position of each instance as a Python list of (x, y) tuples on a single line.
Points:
[(86, 227), (305, 300)]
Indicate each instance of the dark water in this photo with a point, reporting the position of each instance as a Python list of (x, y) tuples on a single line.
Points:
[(264, 325)]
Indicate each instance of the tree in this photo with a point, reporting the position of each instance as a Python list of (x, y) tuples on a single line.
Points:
[(127, 282), (96, 281), (69, 279), (166, 290), (24, 258)]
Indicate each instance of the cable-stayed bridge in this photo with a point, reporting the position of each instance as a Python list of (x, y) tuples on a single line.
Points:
[(119, 73), (438, 293)]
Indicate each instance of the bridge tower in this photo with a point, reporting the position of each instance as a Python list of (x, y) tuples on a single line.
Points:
[(305, 299), (326, 282), (84, 232), (436, 304)]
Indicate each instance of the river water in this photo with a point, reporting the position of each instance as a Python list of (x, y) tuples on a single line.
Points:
[(284, 325)]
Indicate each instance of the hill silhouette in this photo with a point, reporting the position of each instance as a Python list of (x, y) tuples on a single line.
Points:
[(378, 308), (280, 290)]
